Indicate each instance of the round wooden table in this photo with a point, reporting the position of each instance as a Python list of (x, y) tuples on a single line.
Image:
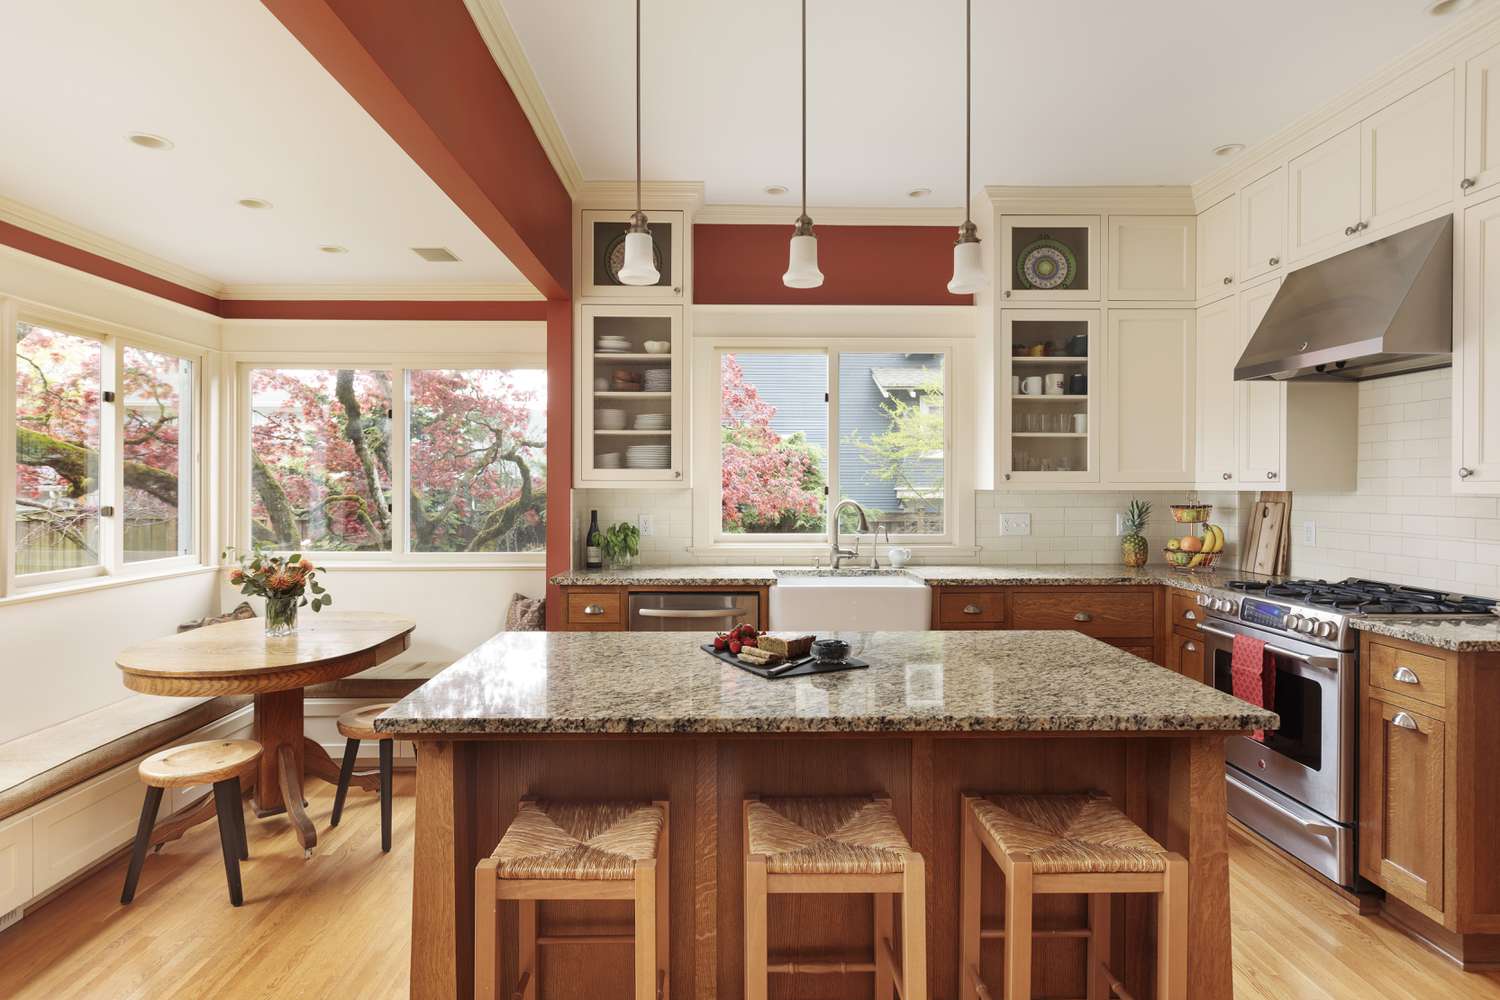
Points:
[(238, 658)]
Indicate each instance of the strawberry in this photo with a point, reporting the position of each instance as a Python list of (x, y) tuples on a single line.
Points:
[(752, 641), (735, 647), (746, 632), (720, 643)]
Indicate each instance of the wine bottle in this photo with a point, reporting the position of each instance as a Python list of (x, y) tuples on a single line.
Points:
[(593, 544)]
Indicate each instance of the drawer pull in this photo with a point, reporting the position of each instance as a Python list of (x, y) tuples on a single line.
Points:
[(1191, 647), (1190, 615), (973, 609), (1406, 722), (1083, 616), (1406, 675), (592, 609)]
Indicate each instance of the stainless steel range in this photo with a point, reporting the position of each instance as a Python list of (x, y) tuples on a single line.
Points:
[(1297, 788)]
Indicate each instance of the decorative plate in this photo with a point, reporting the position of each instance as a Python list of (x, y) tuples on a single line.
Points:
[(1046, 263), (614, 257)]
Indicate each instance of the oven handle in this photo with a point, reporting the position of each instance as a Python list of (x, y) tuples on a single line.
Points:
[(1325, 830), (1312, 661), (689, 612)]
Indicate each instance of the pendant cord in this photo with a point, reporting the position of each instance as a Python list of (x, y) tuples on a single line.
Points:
[(638, 106), (804, 108), (968, 102)]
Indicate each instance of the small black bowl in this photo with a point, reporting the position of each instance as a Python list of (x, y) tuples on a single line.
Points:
[(830, 649)]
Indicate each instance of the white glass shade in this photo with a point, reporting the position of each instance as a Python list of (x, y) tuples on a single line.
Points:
[(640, 260), (968, 269), (802, 270)]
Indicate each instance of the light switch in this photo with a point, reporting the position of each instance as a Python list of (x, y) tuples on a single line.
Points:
[(1310, 532), (1015, 524)]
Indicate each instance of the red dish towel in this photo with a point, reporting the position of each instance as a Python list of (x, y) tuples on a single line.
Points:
[(1254, 675)]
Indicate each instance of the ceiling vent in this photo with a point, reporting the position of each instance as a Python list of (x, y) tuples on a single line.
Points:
[(435, 255)]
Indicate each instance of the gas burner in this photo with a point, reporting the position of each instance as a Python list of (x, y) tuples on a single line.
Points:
[(1355, 596), (1254, 586)]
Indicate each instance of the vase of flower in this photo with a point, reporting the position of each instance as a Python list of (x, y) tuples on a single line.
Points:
[(284, 581), (621, 544)]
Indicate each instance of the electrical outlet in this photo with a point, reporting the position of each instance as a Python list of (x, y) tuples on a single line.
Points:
[(647, 524), (1119, 523), (1310, 532), (1015, 524)]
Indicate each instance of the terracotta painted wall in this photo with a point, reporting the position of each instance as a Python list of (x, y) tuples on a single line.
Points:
[(862, 265)]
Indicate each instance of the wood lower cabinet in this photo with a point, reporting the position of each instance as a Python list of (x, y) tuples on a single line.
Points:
[(1126, 617), (1401, 822), (1185, 655), (607, 609), (968, 608)]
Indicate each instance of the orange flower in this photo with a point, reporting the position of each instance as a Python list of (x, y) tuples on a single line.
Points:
[(237, 576)]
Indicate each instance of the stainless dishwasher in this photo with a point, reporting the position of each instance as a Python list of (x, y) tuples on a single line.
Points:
[(692, 612)]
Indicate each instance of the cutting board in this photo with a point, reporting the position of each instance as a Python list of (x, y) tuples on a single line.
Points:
[(1264, 537)]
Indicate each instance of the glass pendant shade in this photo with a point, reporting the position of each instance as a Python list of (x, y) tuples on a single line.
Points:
[(968, 268), (640, 260), (802, 269)]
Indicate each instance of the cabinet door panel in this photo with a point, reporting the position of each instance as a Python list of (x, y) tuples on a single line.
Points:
[(1408, 155), (1219, 347), (1185, 655), (1482, 121), (1401, 808), (1262, 225), (1477, 355), (1151, 257), (1150, 409), (1324, 194), (1262, 405), (1217, 248)]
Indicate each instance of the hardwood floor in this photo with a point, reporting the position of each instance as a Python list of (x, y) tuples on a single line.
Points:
[(338, 926)]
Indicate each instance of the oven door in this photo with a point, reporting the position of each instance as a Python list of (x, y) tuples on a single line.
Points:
[(1310, 757)]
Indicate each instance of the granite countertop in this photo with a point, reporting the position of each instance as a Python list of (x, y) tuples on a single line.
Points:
[(661, 682), (1459, 635)]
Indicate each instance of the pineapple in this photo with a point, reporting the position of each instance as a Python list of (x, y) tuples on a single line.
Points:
[(1133, 544)]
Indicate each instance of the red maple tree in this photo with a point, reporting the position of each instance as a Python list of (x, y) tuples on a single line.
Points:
[(770, 483)]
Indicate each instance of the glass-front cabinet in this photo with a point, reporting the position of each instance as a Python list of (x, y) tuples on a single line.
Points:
[(602, 243), (1050, 258), (1049, 387), (632, 417)]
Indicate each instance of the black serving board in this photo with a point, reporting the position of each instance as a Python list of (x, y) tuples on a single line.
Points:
[(806, 667)]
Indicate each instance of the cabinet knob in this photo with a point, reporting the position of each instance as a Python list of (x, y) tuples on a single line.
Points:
[(1360, 227), (676, 289), (1270, 475), (971, 609), (1228, 280), (1274, 261), (1464, 472), (1350, 230), (1467, 183), (1083, 616), (1190, 647), (592, 609), (1405, 721), (1228, 476), (1007, 477), (677, 474), (1006, 293), (1406, 675)]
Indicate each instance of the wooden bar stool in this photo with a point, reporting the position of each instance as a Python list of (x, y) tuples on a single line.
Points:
[(575, 850), (356, 725), (835, 845), (217, 762), (1067, 844)]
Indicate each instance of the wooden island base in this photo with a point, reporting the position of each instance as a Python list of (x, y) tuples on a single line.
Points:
[(1171, 784)]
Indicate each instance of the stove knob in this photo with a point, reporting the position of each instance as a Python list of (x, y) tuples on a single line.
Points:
[(1205, 601), (1222, 605), (1232, 606), (1309, 626), (1327, 630), (1293, 622)]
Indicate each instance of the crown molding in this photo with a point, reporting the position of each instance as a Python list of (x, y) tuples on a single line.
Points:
[(1469, 35), (1118, 199), (828, 215), (511, 292), (505, 48), (50, 226), (686, 196)]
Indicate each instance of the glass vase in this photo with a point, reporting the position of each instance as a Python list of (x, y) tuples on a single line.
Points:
[(281, 616), (622, 560)]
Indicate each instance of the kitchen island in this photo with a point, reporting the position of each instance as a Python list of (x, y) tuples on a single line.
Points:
[(650, 716)]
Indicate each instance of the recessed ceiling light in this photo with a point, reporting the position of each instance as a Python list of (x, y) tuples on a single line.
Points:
[(919, 192), (776, 189), (1438, 8), (146, 140), (257, 203), (1229, 149), (333, 248)]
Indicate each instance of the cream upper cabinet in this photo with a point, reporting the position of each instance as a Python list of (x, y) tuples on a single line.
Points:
[(1324, 194), (1477, 355), (1262, 405), (1262, 225), (1151, 258), (1407, 155), (1219, 346), (1149, 409), (1217, 248), (1482, 122), (1049, 258)]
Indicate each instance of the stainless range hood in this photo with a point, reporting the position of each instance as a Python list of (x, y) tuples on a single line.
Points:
[(1379, 310)]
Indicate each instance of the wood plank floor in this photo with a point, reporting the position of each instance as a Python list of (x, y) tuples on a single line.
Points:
[(338, 926)]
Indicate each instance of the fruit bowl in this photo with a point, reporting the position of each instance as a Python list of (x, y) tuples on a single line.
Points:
[(1179, 559), (1191, 513)]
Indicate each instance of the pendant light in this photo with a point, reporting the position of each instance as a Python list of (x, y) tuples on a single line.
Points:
[(968, 259), (802, 269), (640, 250)]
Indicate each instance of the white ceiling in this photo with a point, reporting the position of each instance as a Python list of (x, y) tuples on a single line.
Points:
[(252, 114), (1065, 91)]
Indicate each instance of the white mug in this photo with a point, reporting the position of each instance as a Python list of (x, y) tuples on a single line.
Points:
[(898, 555), (1080, 423), (1031, 385), (1056, 384), (601, 384)]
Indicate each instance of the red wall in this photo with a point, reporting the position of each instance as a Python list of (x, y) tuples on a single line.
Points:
[(862, 265)]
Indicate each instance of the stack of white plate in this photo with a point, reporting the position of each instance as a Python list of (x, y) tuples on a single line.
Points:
[(651, 422), (609, 420), (648, 456), (658, 380), (608, 460), (609, 344)]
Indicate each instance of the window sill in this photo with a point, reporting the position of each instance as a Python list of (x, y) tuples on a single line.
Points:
[(25, 595), (335, 566)]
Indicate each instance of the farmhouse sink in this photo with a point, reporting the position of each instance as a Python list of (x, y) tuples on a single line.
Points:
[(853, 600)]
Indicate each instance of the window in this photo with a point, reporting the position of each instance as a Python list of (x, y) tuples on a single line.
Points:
[(784, 451), (478, 460), (158, 449)]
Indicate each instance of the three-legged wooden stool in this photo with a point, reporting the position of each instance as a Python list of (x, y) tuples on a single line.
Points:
[(1067, 844), (575, 850), (835, 845), (217, 762), (356, 725)]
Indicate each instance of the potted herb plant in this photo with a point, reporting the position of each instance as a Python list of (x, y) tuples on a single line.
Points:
[(621, 544), (283, 581)]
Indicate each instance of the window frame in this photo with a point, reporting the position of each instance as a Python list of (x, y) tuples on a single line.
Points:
[(396, 365), (114, 339), (709, 536)]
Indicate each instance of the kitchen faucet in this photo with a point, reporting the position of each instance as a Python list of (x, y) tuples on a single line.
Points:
[(838, 554)]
